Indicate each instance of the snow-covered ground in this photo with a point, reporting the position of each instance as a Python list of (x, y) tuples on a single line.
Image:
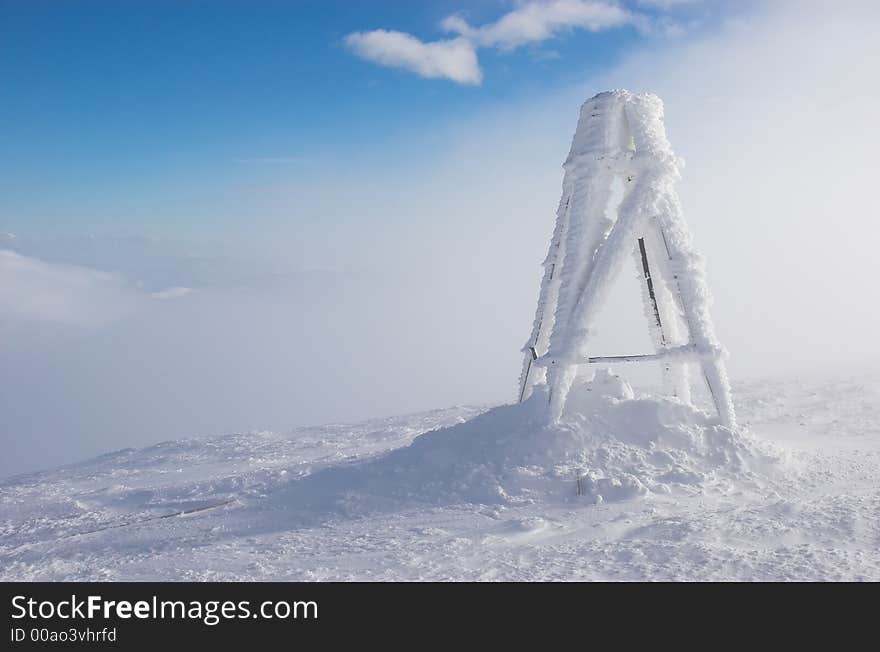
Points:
[(488, 498)]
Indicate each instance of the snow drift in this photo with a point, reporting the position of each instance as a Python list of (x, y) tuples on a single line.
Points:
[(610, 445)]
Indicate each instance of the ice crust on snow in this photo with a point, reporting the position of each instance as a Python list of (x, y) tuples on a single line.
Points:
[(816, 521)]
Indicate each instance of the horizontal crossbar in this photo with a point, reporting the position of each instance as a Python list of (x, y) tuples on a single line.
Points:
[(679, 353), (647, 357), (684, 353)]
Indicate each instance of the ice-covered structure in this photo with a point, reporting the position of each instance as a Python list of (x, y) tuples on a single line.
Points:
[(619, 200)]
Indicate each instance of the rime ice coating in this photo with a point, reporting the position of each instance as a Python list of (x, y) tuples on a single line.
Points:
[(620, 138)]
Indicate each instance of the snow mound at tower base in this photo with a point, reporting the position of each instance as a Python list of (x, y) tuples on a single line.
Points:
[(610, 445)]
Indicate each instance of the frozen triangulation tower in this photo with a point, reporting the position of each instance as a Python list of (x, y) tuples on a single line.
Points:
[(619, 199)]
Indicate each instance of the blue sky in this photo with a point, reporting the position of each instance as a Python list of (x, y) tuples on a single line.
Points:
[(135, 116)]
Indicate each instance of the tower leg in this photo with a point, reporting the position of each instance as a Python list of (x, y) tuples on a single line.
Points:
[(661, 318), (700, 335)]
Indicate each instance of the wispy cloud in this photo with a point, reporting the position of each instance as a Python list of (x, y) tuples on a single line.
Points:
[(538, 21), (453, 59), (36, 291), (456, 58), (666, 4), (171, 293)]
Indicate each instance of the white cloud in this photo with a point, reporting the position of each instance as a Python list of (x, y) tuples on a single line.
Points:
[(667, 4), (538, 21), (171, 293), (35, 291), (453, 59), (456, 59)]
